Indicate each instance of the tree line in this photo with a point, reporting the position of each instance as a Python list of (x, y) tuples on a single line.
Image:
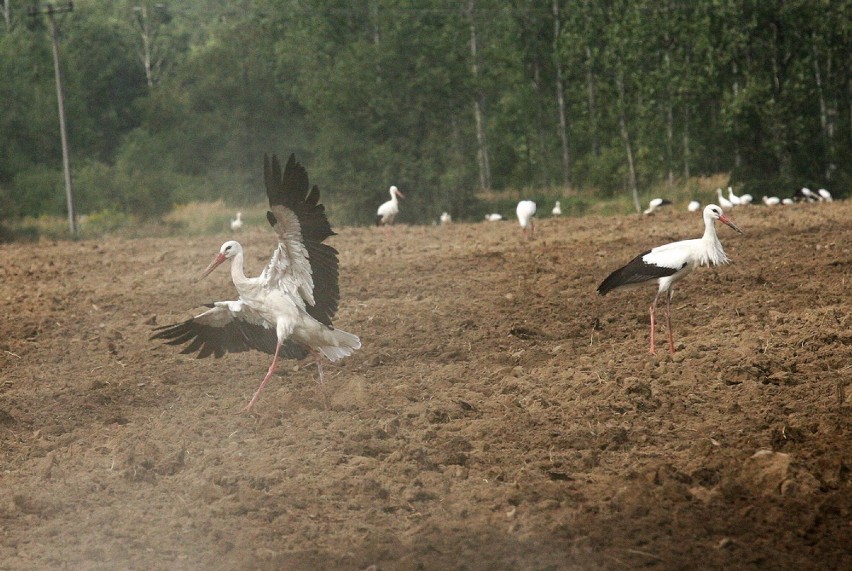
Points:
[(170, 102)]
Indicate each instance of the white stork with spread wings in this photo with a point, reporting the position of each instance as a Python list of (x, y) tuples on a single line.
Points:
[(287, 310)]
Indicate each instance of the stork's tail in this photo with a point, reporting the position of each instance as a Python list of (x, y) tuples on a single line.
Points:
[(344, 344)]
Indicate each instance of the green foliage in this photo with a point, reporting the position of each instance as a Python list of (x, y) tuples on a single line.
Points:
[(378, 92)]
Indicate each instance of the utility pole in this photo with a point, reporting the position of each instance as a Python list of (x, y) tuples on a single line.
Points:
[(50, 10)]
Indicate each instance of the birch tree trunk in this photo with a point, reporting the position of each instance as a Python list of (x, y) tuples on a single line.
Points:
[(542, 138), (686, 144), (625, 137), (7, 13), (478, 104), (669, 123), (736, 88), (826, 125), (560, 99), (590, 102)]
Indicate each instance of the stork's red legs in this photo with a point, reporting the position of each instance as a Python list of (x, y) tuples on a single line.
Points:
[(653, 311), (668, 321), (271, 370), (318, 360)]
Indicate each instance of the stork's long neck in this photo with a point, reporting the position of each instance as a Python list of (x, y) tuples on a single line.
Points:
[(393, 197), (712, 253), (237, 273)]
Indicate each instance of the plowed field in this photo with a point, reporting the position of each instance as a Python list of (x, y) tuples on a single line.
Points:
[(500, 414)]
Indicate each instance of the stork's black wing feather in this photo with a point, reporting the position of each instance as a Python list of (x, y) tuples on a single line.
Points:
[(221, 336), (292, 190), (634, 272)]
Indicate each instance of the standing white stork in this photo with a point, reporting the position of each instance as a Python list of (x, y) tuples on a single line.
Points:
[(733, 198), (825, 195), (387, 212), (806, 194), (557, 209), (671, 262), (237, 223), (287, 310), (723, 202), (693, 206), (526, 214), (656, 203), (446, 218)]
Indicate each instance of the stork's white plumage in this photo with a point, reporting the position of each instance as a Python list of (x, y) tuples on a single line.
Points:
[(723, 202), (557, 209), (656, 203), (287, 310), (670, 263), (693, 206), (787, 201), (494, 217), (237, 223), (387, 212), (771, 200), (806, 194), (526, 217), (825, 195), (446, 218), (733, 198)]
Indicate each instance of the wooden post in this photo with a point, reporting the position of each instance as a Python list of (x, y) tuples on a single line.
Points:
[(50, 10)]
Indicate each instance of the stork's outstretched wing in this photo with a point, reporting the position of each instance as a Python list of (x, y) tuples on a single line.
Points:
[(301, 263), (225, 328)]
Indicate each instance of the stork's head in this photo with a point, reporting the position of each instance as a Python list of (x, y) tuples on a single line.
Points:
[(227, 252), (713, 212), (394, 191)]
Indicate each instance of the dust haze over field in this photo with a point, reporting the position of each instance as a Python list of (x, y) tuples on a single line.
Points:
[(499, 415)]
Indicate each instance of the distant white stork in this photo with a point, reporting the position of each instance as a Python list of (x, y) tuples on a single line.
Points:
[(656, 203), (733, 198), (237, 223), (287, 310), (746, 199), (825, 195), (693, 206), (494, 217), (526, 217), (387, 212), (446, 218), (723, 202), (671, 262), (771, 200), (806, 194), (557, 209), (787, 201)]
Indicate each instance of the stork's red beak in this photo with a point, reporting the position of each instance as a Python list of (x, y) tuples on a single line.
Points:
[(217, 260), (725, 220)]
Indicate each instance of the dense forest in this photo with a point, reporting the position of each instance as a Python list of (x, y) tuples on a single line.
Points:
[(171, 102)]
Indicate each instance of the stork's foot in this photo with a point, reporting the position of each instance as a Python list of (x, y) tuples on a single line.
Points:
[(326, 402), (253, 400)]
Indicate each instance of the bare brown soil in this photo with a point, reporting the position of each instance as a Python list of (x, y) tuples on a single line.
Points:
[(500, 415)]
